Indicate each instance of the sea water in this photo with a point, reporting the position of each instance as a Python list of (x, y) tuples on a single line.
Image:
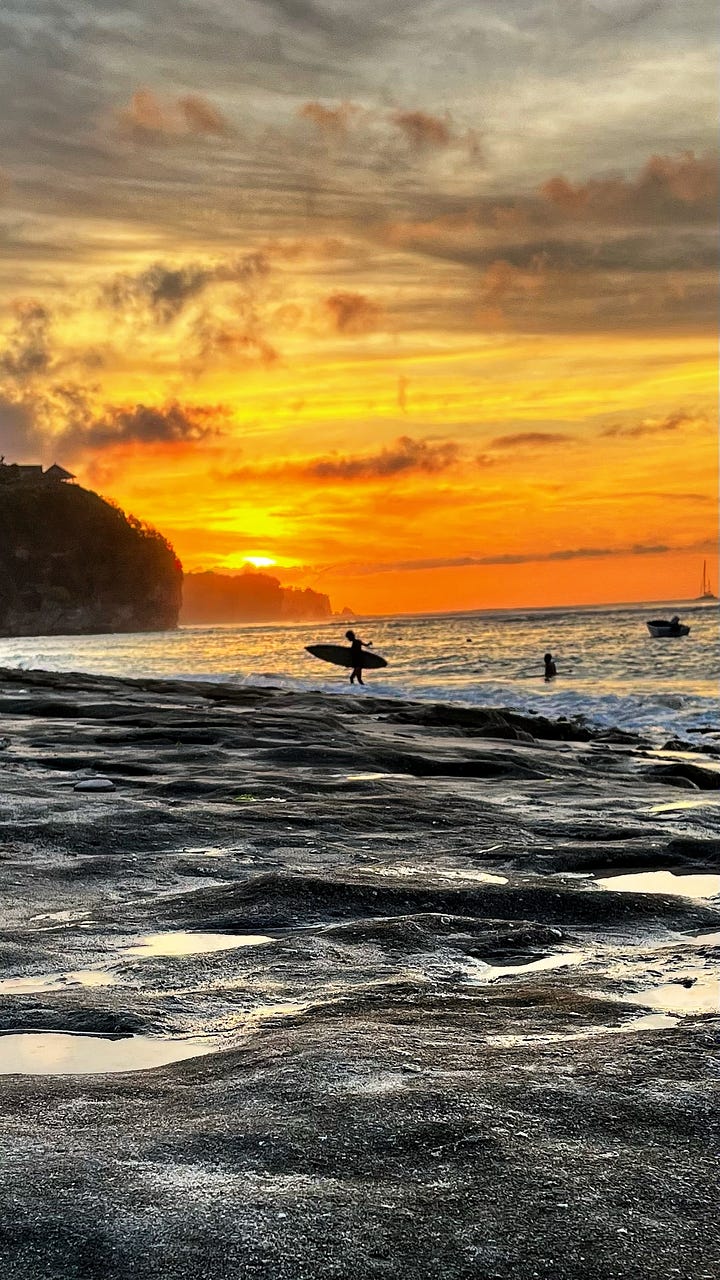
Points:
[(610, 670)]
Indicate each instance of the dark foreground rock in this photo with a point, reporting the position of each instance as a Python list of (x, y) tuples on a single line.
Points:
[(431, 1043)]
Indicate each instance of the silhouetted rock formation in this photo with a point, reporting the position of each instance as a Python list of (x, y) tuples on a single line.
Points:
[(71, 563), (248, 597)]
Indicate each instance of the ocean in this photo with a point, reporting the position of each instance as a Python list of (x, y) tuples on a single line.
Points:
[(610, 671)]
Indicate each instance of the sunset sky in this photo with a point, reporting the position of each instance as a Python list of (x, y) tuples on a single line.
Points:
[(415, 301)]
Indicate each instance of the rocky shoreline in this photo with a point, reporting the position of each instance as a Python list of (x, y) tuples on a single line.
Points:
[(321, 987)]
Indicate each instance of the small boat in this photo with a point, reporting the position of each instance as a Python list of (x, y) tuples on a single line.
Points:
[(663, 628)]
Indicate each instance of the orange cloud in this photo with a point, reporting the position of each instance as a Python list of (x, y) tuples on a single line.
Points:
[(352, 312), (666, 185), (147, 119), (423, 130), (201, 116), (332, 120)]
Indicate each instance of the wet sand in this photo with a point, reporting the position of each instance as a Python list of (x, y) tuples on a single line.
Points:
[(328, 987)]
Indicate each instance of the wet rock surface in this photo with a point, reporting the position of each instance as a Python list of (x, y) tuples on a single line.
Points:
[(442, 1038)]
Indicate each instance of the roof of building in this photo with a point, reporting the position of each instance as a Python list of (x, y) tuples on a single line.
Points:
[(59, 473)]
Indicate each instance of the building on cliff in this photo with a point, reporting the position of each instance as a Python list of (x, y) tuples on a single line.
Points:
[(14, 472)]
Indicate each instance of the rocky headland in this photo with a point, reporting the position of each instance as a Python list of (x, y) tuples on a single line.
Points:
[(294, 985), (72, 563)]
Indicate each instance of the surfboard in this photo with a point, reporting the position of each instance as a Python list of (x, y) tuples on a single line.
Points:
[(340, 656)]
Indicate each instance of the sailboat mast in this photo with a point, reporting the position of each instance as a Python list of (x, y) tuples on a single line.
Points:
[(707, 591)]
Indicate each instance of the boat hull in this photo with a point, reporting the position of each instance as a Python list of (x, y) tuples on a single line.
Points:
[(666, 631)]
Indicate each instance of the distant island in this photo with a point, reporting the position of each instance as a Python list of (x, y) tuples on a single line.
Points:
[(248, 597), (72, 563)]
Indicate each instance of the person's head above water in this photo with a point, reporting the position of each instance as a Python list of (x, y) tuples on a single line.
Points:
[(349, 635), (548, 657)]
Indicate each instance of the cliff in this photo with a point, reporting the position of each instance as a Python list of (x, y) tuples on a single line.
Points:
[(248, 597), (71, 563)]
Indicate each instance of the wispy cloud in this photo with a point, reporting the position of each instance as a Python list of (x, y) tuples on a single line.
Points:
[(652, 426), (406, 456), (360, 569), (530, 440)]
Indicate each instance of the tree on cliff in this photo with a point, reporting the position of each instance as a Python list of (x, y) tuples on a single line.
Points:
[(71, 562)]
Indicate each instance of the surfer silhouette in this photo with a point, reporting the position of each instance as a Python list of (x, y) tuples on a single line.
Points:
[(356, 647), (550, 668)]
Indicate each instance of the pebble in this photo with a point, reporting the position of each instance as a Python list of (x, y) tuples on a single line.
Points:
[(94, 784)]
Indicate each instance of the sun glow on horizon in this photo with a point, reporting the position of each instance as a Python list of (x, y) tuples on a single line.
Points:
[(259, 562)]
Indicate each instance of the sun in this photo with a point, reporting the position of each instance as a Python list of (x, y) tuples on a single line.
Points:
[(260, 562)]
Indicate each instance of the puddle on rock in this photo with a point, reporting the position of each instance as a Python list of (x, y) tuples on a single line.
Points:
[(680, 805), (188, 944), (673, 997), (56, 981), (366, 777), (704, 939), (61, 917), (440, 873), (648, 1022), (56, 1053), (692, 886), (490, 972)]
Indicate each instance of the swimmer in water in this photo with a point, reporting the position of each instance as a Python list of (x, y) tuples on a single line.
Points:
[(550, 668)]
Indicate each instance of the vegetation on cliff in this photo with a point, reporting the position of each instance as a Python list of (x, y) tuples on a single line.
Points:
[(248, 597), (71, 563)]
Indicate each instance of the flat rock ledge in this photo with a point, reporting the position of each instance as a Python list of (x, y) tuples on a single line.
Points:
[(402, 1024)]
